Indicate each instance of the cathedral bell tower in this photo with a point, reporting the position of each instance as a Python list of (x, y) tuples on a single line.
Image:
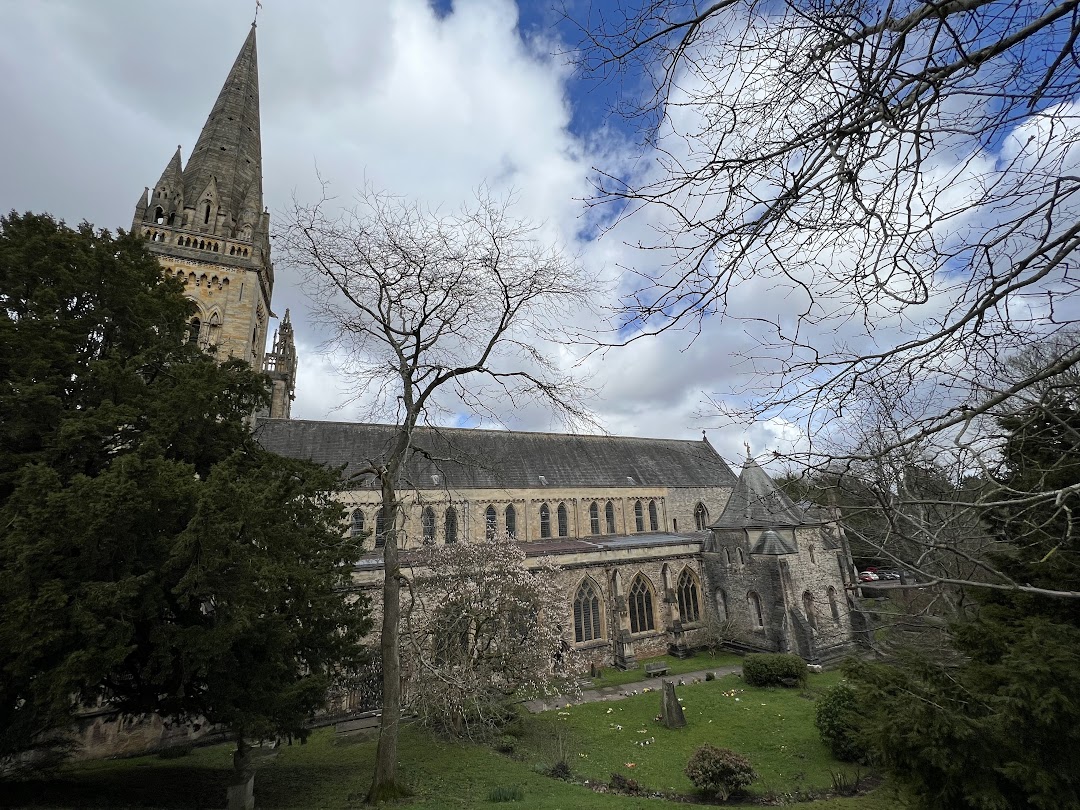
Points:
[(208, 227)]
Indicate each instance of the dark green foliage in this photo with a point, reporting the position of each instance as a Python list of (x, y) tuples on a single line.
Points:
[(774, 669), (506, 793), (560, 770), (624, 784), (152, 553), (998, 726), (719, 772), (839, 721)]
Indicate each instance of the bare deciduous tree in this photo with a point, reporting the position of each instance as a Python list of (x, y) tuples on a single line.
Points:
[(903, 176), (433, 312)]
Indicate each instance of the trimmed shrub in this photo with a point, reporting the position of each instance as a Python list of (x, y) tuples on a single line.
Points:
[(719, 772), (774, 669), (837, 717)]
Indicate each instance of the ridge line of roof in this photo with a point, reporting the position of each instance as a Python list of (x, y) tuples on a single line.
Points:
[(704, 443)]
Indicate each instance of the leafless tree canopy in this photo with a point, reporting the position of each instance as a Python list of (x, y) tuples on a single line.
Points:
[(421, 305), (418, 302), (903, 177)]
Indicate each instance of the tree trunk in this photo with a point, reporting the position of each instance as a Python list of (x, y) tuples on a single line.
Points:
[(384, 785)]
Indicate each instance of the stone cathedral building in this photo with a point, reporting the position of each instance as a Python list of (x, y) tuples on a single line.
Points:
[(653, 538)]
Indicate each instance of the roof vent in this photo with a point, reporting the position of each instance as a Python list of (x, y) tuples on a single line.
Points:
[(543, 481), (630, 480), (435, 479)]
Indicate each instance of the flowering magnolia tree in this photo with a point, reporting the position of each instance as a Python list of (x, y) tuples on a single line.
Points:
[(480, 632)]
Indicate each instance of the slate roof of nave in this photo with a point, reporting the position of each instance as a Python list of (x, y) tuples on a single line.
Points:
[(461, 458)]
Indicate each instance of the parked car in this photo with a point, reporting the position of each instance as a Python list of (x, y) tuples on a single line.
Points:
[(867, 576), (888, 574)]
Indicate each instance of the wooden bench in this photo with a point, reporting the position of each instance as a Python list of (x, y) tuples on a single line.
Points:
[(653, 670)]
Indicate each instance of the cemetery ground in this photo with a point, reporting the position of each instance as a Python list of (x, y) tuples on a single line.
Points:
[(774, 728)]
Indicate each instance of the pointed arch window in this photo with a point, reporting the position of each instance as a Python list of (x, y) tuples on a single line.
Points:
[(687, 593), (357, 527), (753, 602), (206, 215), (721, 605), (701, 517), (511, 522), (639, 517), (159, 215), (451, 525), (587, 625), (489, 523), (727, 556), (427, 525), (641, 606), (545, 520), (609, 517), (808, 609), (594, 518), (380, 529), (564, 520), (654, 517)]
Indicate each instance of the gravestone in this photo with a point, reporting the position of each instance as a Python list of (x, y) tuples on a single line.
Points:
[(671, 712)]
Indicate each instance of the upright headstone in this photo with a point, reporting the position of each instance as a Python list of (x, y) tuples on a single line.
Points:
[(670, 711)]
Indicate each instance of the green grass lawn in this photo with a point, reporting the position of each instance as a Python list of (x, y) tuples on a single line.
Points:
[(676, 666), (778, 737), (774, 728)]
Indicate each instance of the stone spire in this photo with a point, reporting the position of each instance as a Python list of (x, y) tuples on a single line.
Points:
[(229, 150)]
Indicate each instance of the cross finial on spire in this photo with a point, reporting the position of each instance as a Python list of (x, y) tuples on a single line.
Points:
[(747, 446), (258, 5)]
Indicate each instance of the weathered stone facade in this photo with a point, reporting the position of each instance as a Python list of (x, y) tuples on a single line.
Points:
[(619, 515)]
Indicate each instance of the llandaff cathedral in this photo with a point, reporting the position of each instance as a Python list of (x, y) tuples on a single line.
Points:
[(655, 540)]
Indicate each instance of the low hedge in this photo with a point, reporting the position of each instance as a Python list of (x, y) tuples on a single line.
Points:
[(774, 669)]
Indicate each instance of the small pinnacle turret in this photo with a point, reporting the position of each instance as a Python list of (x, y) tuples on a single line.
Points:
[(280, 366)]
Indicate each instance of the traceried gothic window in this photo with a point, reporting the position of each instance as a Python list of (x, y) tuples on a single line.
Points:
[(545, 520), (427, 525), (654, 517), (489, 523), (753, 602), (641, 606), (609, 516), (564, 520), (687, 593), (511, 522), (587, 613), (639, 517), (357, 527), (594, 518), (451, 525), (701, 517)]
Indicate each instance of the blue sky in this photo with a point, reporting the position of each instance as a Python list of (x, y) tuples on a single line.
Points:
[(428, 101)]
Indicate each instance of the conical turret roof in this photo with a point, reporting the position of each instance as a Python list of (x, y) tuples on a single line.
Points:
[(173, 173), (229, 148), (757, 502)]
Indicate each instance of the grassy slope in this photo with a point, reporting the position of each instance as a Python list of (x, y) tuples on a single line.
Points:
[(327, 773)]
